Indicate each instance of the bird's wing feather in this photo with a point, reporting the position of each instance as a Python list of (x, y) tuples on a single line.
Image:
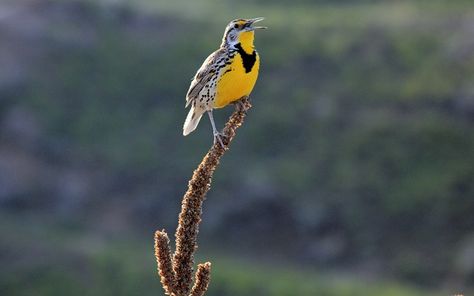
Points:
[(203, 76)]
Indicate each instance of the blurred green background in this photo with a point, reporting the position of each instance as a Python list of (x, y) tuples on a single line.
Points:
[(353, 175)]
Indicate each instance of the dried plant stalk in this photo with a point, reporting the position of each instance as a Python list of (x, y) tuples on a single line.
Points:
[(201, 282), (163, 258), (190, 217)]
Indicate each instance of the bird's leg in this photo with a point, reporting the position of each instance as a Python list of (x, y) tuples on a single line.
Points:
[(217, 135)]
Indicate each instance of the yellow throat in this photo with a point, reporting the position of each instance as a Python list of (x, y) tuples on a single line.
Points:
[(246, 41)]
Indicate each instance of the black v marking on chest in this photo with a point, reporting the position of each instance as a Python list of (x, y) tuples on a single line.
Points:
[(248, 60)]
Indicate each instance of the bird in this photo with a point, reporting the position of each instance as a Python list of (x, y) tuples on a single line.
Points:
[(227, 75)]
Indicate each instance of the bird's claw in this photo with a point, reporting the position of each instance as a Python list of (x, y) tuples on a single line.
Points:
[(218, 138), (240, 105)]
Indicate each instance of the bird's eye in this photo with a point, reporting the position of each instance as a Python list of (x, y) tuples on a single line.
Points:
[(236, 26)]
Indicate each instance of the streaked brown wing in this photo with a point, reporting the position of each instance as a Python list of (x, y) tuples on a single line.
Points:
[(203, 75)]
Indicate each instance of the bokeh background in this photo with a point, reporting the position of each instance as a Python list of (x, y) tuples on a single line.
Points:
[(353, 175)]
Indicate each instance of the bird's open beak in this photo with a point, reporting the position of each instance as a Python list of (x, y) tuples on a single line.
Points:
[(250, 23)]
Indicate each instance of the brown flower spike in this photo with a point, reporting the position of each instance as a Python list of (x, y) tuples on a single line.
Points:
[(176, 271)]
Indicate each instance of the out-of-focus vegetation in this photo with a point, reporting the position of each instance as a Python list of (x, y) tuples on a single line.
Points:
[(358, 156), (79, 264)]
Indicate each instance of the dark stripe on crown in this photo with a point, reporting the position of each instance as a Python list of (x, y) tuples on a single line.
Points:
[(248, 60)]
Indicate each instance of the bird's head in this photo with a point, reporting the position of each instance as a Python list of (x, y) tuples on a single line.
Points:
[(241, 31)]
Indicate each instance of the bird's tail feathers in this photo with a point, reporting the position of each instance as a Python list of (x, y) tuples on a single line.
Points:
[(192, 120)]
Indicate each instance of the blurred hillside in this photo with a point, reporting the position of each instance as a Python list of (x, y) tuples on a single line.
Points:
[(357, 158)]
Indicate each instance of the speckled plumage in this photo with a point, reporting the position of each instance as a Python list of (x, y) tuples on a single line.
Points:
[(227, 75)]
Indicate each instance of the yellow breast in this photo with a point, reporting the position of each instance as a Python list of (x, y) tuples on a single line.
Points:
[(235, 81)]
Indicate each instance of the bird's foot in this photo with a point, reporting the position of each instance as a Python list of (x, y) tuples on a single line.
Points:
[(218, 138), (240, 105)]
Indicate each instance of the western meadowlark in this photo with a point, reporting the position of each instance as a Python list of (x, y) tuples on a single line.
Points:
[(227, 75)]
